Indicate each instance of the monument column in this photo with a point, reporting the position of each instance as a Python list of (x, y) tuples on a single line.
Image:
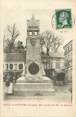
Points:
[(33, 55)]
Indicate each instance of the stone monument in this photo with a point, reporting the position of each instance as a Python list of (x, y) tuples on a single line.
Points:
[(34, 83), (34, 67)]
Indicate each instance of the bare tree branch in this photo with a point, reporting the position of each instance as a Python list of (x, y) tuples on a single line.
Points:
[(51, 41), (13, 34)]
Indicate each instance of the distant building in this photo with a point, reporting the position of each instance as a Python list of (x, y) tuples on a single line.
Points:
[(68, 60), (14, 62), (57, 61), (54, 62)]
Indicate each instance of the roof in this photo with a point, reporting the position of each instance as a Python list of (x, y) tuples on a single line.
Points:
[(21, 57), (70, 42), (57, 55), (15, 57)]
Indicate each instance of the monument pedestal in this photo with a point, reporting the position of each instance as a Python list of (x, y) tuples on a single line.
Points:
[(34, 89)]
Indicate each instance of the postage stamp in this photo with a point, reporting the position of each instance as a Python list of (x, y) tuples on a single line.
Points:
[(63, 18)]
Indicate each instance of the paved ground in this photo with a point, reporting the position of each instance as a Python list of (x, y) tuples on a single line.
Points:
[(61, 94)]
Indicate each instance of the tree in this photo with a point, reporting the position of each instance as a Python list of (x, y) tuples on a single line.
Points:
[(13, 33), (20, 45), (50, 41), (60, 76)]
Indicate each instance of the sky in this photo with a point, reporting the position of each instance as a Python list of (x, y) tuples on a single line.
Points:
[(18, 11)]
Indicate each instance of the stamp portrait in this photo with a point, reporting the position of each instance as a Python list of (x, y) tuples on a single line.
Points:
[(63, 18)]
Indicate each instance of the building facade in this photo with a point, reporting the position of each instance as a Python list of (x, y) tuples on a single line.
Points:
[(14, 62), (68, 61), (53, 63)]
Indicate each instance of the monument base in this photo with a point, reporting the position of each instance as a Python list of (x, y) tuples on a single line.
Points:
[(34, 88)]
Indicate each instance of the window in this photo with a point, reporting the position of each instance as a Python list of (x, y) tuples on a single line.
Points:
[(20, 66), (15, 66), (65, 51), (35, 33), (11, 66), (57, 65), (70, 56), (30, 33), (6, 66), (53, 65), (48, 66)]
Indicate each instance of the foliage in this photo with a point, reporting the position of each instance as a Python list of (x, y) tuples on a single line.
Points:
[(9, 42), (15, 74), (51, 41), (60, 76), (20, 47)]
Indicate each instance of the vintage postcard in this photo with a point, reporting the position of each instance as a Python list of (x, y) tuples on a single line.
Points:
[(38, 40)]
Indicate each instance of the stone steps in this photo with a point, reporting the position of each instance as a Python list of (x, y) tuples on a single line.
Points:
[(33, 85), (33, 89)]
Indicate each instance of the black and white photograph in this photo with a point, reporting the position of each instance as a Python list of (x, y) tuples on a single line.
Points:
[(37, 57)]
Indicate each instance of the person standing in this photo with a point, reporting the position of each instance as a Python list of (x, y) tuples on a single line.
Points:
[(9, 83)]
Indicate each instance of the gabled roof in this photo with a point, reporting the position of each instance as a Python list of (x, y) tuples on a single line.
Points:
[(15, 57), (70, 42), (57, 55), (53, 55)]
